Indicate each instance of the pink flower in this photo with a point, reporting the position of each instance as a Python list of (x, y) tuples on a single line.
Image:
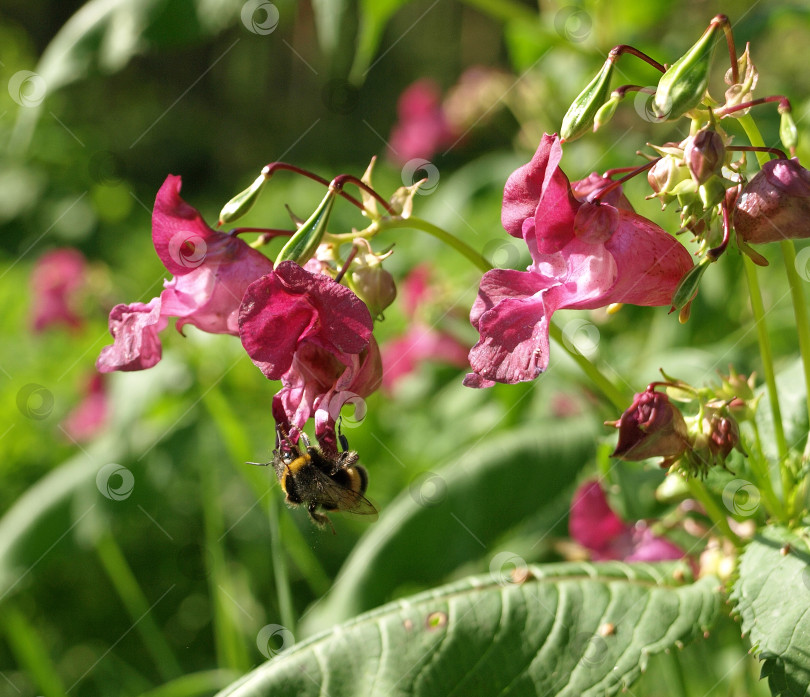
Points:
[(592, 524), (211, 272), (422, 128), (310, 332), (88, 418), (585, 255), (57, 280), (420, 342)]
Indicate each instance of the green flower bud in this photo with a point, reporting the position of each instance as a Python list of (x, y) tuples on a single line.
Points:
[(683, 86), (302, 245), (370, 281), (242, 202), (688, 287), (581, 114), (787, 131), (605, 112)]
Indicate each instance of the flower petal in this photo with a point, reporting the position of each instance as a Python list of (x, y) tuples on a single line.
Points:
[(135, 329)]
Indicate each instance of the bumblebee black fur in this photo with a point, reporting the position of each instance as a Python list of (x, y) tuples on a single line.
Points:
[(311, 478)]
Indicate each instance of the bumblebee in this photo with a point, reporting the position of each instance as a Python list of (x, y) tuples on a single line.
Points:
[(318, 480)]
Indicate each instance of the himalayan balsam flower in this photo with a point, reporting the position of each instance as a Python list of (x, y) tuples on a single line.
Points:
[(56, 283), (592, 524), (585, 255), (211, 272), (311, 333), (775, 204)]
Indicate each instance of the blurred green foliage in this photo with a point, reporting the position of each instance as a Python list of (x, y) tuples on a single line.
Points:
[(137, 90)]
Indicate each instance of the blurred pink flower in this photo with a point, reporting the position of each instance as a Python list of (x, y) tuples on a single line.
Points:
[(421, 342), (422, 128), (211, 272), (593, 525), (57, 280), (585, 255), (88, 418)]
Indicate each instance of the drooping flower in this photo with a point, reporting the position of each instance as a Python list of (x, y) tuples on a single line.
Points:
[(596, 527), (775, 204), (422, 128), (310, 332), (211, 272), (57, 280), (585, 255)]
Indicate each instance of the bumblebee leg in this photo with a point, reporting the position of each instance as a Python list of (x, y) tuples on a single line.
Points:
[(319, 519)]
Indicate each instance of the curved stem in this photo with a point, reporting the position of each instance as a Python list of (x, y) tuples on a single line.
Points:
[(613, 394), (699, 493), (437, 232)]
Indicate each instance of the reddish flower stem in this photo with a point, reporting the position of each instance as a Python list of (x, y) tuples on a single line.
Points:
[(342, 179), (268, 171), (624, 89), (784, 105), (633, 172), (715, 253), (732, 51), (617, 51), (752, 148), (346, 264)]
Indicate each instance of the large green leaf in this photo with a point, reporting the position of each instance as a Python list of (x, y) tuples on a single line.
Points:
[(563, 629), (452, 516), (772, 595)]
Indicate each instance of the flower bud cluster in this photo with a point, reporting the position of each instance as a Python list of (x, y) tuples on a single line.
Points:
[(653, 426)]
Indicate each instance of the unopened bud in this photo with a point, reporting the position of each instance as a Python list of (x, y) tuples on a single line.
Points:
[(242, 202), (665, 175), (683, 86), (370, 281), (302, 245), (724, 436), (788, 133), (775, 204), (651, 427), (704, 154), (580, 116)]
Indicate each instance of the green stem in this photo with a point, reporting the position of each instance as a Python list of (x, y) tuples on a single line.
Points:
[(423, 225), (609, 390), (755, 138), (32, 656), (758, 309), (128, 589), (713, 510)]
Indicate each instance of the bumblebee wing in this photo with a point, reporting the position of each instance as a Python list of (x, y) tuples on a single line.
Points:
[(334, 496)]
